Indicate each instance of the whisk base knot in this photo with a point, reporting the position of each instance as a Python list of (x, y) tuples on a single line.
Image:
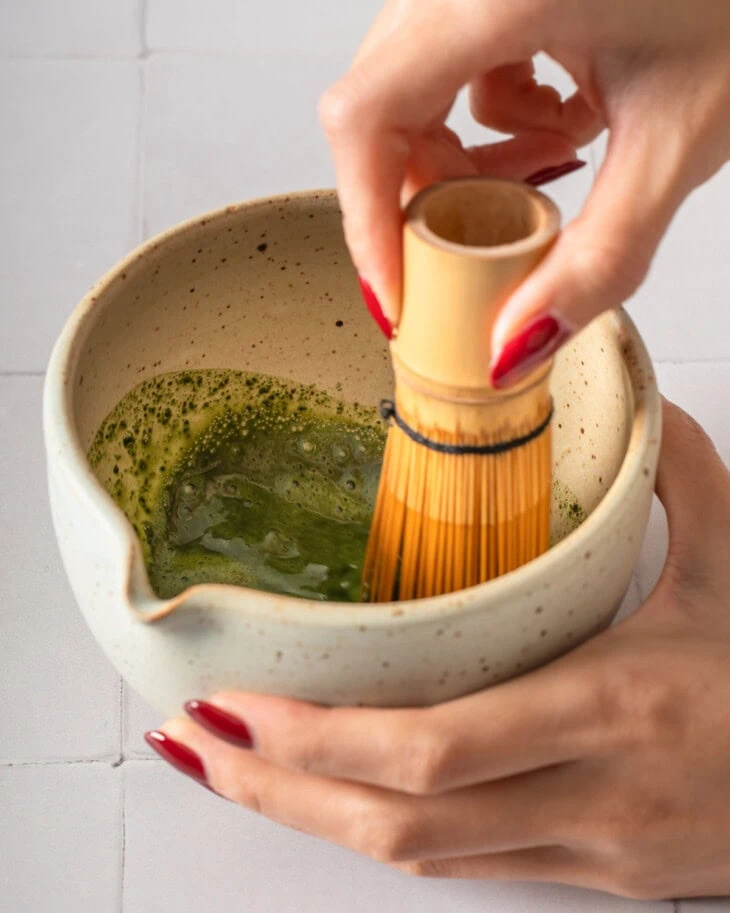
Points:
[(389, 412)]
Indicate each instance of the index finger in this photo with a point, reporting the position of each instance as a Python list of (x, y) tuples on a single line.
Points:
[(398, 88), (540, 720)]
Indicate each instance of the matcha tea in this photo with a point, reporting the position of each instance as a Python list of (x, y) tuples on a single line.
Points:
[(244, 479)]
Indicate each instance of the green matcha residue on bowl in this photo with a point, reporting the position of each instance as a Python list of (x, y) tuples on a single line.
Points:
[(567, 513), (244, 479)]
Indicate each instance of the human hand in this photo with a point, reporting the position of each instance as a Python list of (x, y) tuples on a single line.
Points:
[(655, 72), (606, 769)]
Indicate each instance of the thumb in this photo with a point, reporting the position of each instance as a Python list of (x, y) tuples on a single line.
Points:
[(600, 259), (693, 484)]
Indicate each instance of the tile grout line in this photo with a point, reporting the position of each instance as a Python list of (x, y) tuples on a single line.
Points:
[(57, 762), (141, 222), (144, 53), (142, 10), (123, 841), (143, 229), (22, 373), (692, 362), (122, 710), (13, 57)]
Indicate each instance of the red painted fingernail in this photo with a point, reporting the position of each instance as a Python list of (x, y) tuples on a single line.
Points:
[(373, 305), (538, 341), (546, 175), (180, 756), (221, 723)]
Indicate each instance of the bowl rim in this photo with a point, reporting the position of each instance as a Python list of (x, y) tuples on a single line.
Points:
[(66, 456)]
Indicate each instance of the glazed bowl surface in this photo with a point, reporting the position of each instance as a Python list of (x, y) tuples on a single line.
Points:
[(267, 286)]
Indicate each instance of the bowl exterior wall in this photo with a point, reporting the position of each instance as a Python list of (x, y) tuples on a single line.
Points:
[(237, 640)]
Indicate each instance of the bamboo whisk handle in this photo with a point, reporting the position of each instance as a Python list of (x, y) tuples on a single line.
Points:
[(465, 489), (467, 245)]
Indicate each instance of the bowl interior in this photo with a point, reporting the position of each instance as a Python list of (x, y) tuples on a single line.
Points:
[(269, 287)]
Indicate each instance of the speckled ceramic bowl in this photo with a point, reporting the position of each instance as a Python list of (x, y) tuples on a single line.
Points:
[(268, 286)]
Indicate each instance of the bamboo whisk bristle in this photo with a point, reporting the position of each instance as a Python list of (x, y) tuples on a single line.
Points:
[(444, 521)]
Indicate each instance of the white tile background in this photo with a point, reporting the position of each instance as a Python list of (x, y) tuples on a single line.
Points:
[(120, 117)]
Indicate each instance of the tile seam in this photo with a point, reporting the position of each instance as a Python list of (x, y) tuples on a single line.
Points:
[(114, 762)]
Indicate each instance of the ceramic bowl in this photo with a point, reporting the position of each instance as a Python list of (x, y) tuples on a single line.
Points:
[(268, 286)]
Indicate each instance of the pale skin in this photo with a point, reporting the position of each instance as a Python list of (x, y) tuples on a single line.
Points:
[(655, 72), (608, 768)]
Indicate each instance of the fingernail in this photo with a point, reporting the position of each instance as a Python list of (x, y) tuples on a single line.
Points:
[(221, 723), (373, 305), (538, 341), (180, 756), (546, 175)]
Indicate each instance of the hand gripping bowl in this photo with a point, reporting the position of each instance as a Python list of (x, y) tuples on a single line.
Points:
[(268, 286)]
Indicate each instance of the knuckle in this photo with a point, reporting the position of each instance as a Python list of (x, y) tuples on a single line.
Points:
[(422, 868), (630, 829), (383, 833), (306, 757), (482, 105), (301, 739), (238, 790), (688, 427), (337, 109), (609, 269), (424, 764), (661, 717), (630, 880), (643, 705), (643, 819), (598, 715)]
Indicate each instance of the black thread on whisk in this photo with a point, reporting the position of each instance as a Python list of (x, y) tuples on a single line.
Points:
[(388, 412)]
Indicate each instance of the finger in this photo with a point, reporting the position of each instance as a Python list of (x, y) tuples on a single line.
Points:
[(693, 484), (395, 92), (343, 813), (440, 155), (602, 257), (542, 719), (554, 864), (533, 810), (386, 21), (524, 155), (437, 156), (510, 99)]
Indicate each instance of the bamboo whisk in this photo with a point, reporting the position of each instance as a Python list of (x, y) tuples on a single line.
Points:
[(465, 488)]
